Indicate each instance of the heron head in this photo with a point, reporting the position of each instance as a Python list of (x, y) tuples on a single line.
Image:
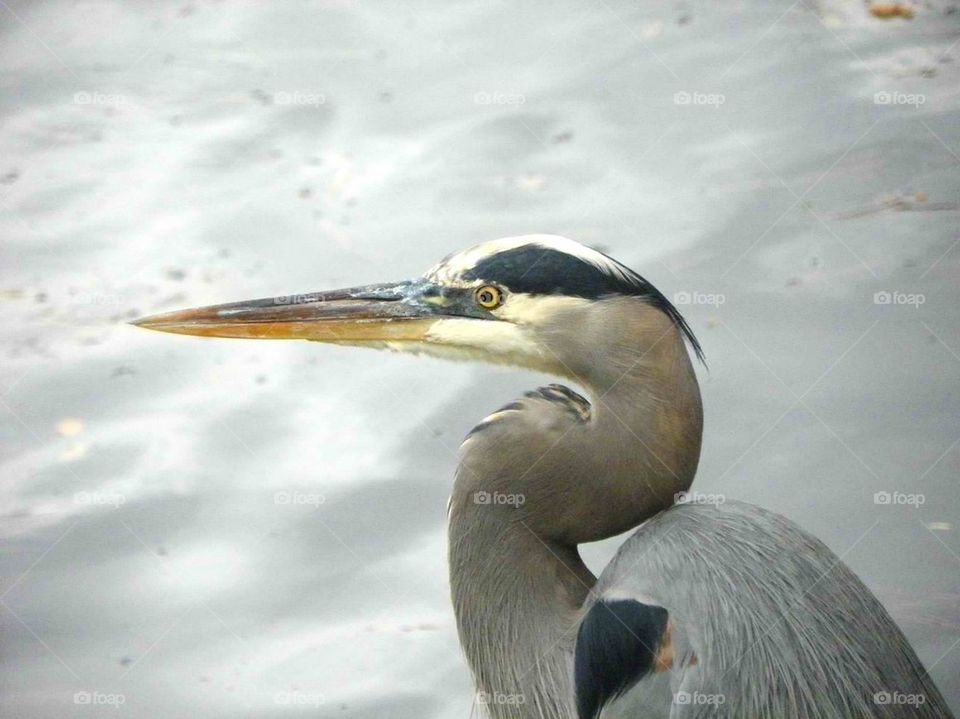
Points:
[(537, 301)]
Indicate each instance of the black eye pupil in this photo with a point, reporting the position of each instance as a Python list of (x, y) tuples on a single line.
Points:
[(488, 297)]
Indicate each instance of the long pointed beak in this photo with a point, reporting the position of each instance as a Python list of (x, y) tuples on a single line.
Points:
[(393, 312)]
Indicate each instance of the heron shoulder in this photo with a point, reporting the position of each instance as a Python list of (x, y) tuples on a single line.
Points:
[(717, 541)]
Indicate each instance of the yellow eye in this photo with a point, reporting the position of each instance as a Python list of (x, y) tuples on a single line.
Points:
[(489, 297)]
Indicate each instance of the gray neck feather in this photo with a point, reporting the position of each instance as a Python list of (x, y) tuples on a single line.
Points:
[(517, 580)]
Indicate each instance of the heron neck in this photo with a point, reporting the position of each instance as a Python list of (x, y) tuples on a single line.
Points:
[(533, 486), (517, 599)]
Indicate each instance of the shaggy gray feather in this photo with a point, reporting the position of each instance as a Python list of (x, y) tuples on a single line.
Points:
[(812, 641)]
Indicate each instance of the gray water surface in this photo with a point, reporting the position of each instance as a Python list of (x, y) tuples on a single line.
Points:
[(245, 529)]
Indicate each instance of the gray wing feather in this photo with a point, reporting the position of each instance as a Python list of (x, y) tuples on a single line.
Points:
[(780, 627)]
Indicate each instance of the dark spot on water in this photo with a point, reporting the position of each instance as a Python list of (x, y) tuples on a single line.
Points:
[(260, 96)]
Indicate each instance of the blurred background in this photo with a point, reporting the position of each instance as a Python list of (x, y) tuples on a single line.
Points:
[(243, 529)]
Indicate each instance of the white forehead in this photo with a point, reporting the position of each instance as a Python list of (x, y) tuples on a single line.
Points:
[(455, 265)]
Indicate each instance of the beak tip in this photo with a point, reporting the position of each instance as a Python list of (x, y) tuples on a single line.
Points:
[(145, 322), (153, 322)]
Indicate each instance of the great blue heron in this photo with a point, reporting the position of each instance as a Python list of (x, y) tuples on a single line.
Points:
[(707, 610)]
